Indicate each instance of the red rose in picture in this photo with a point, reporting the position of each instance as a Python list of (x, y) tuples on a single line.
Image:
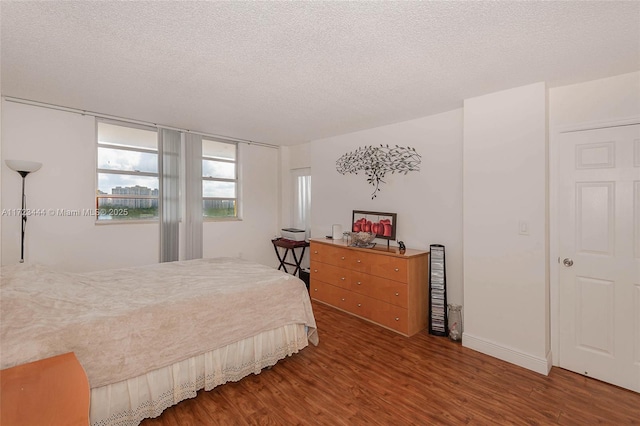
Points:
[(386, 227), (360, 225)]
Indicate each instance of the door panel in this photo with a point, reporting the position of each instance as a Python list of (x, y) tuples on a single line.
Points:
[(595, 155), (594, 217), (594, 315)]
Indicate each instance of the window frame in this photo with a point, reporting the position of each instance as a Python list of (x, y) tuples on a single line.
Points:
[(234, 180), (99, 171)]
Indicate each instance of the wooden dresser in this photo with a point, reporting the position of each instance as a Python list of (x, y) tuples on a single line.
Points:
[(378, 284)]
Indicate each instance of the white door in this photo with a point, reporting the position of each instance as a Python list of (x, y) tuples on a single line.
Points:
[(599, 272)]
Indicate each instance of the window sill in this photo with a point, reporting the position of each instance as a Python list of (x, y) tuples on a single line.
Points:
[(126, 222), (221, 219)]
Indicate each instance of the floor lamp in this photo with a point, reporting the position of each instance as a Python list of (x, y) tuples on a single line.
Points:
[(23, 168)]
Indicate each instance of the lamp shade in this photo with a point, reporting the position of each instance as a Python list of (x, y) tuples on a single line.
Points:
[(23, 166)]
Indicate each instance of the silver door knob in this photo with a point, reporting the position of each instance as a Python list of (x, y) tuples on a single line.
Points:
[(567, 262)]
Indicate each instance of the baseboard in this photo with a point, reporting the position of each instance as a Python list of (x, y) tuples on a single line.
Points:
[(530, 362)]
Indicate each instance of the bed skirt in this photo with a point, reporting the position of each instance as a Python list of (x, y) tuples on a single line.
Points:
[(130, 401)]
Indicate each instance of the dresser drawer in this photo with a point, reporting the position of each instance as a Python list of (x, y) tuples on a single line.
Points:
[(330, 274), (389, 315), (337, 256), (334, 296), (393, 268), (361, 261), (389, 291), (383, 313)]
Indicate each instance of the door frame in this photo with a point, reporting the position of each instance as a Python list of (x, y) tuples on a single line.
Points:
[(554, 250)]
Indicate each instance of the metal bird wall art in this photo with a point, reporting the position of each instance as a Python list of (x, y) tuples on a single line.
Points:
[(376, 161)]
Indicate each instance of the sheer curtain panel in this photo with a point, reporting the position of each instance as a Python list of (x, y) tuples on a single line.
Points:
[(169, 202), (301, 199), (193, 196)]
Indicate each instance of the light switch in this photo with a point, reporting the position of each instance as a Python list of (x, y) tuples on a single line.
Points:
[(523, 227)]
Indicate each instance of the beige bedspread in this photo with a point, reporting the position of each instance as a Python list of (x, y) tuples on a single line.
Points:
[(126, 322)]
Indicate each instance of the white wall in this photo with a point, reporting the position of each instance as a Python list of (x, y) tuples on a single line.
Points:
[(65, 143), (251, 237), (300, 156), (505, 184), (604, 100), (428, 202), (1, 165)]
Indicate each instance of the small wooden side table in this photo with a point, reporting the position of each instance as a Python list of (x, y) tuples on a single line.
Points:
[(51, 391), (289, 245)]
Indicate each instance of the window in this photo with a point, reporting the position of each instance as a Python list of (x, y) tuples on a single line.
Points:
[(127, 172), (219, 179)]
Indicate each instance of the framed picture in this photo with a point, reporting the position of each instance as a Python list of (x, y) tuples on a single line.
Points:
[(381, 224)]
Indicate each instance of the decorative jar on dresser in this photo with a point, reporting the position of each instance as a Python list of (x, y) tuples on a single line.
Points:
[(378, 284)]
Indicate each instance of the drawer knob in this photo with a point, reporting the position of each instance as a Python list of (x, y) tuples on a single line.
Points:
[(315, 289), (342, 258), (315, 270), (397, 270), (359, 261), (315, 252), (342, 278), (359, 304), (359, 283), (397, 319), (397, 294), (343, 299)]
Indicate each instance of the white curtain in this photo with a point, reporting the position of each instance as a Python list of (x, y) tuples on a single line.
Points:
[(301, 199), (193, 196), (169, 202)]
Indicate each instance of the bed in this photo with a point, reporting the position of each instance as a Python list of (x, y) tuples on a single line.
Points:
[(149, 337)]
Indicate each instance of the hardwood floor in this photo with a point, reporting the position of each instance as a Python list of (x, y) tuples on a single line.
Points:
[(364, 374)]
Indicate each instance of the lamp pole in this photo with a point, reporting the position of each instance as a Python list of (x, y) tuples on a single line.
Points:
[(23, 168), (24, 214)]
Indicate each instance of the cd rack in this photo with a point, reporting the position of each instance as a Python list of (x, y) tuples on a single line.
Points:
[(437, 291)]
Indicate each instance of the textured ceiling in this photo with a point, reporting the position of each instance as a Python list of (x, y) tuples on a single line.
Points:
[(291, 72)]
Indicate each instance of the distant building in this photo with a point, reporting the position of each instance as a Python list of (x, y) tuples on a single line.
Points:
[(135, 203)]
